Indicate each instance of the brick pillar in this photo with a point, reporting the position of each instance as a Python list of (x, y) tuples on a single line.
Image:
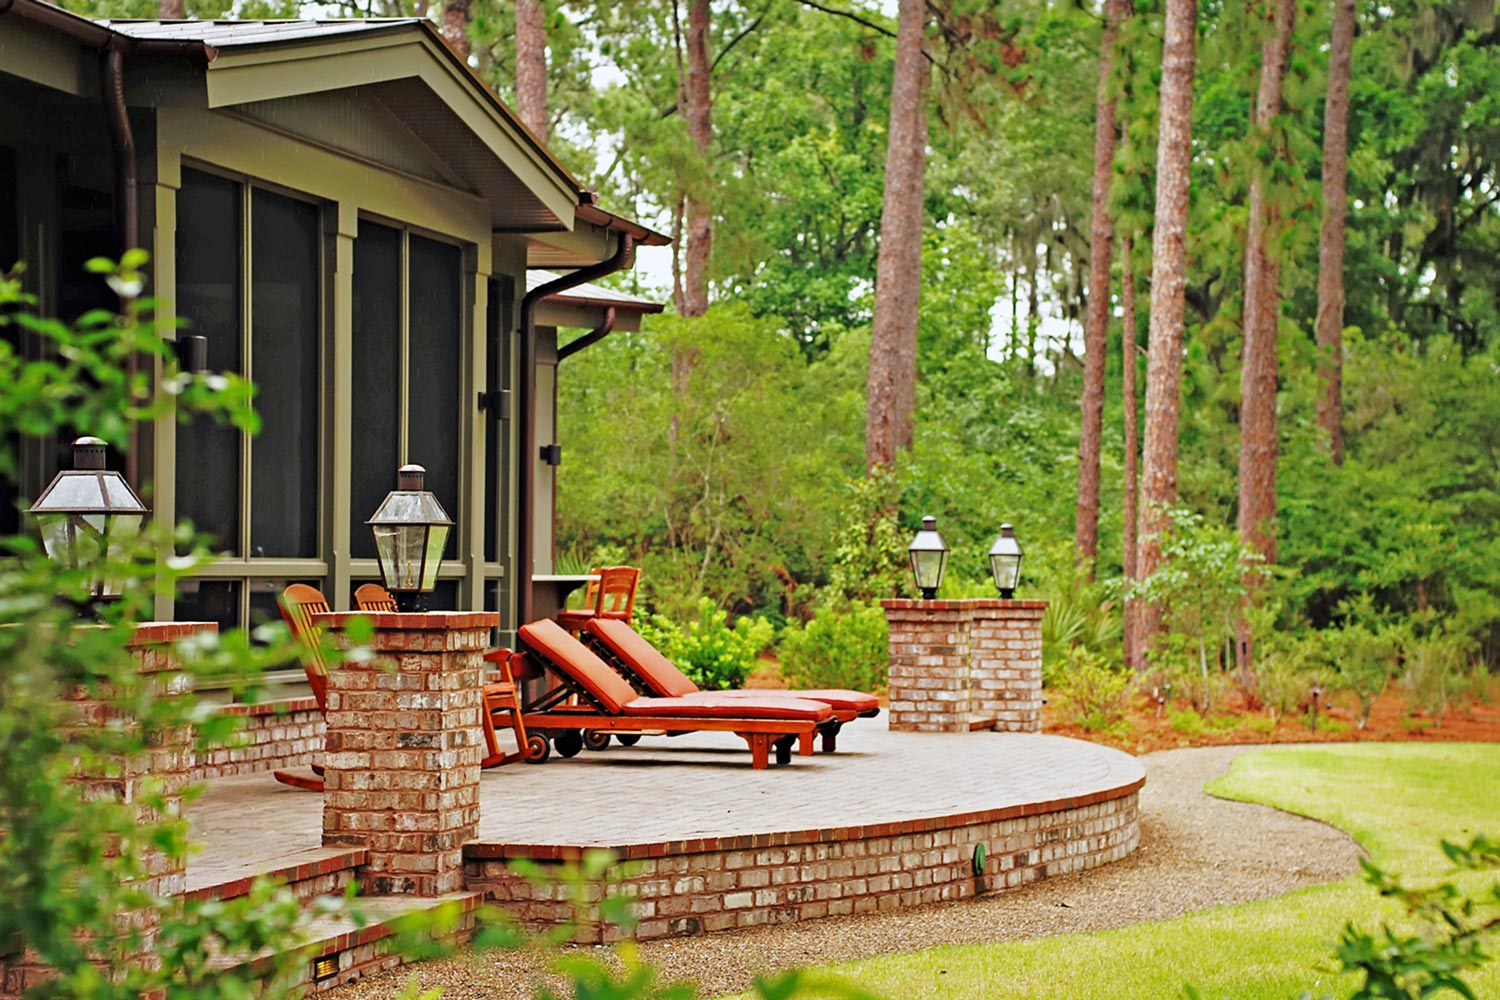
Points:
[(165, 764), (1005, 663), (403, 749), (929, 668)]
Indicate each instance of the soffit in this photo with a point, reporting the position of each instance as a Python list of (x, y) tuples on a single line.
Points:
[(461, 131)]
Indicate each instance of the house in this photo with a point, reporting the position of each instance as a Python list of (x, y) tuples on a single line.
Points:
[(350, 217)]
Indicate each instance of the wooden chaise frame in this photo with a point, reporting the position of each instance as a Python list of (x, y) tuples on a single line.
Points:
[(590, 695)]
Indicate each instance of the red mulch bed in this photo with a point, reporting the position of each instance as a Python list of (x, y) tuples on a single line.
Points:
[(1145, 729)]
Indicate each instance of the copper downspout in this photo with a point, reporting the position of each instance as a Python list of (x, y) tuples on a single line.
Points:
[(127, 201), (623, 259), (592, 337)]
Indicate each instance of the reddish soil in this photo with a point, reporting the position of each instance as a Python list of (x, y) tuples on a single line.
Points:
[(1144, 729)]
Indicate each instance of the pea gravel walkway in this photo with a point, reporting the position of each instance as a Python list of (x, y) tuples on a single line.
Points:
[(1196, 852)]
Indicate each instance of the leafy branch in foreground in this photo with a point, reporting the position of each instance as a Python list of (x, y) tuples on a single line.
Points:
[(1455, 926)]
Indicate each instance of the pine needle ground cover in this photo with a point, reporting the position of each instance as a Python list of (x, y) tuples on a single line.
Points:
[(1397, 800)]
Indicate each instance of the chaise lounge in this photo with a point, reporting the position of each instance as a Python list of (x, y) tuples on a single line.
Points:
[(624, 648), (591, 695)]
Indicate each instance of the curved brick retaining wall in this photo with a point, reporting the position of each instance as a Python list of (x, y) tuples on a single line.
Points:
[(721, 883)]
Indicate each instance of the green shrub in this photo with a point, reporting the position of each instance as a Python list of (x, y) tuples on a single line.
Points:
[(716, 655), (1283, 676), (1365, 659), (1088, 692), (838, 649), (1432, 674), (1188, 722)]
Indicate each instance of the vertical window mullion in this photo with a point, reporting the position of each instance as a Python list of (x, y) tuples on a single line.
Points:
[(247, 313), (403, 382)]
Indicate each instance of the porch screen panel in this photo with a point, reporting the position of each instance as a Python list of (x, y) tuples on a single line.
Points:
[(284, 351), (497, 377), (376, 406), (10, 252), (10, 236), (208, 299), (435, 328)]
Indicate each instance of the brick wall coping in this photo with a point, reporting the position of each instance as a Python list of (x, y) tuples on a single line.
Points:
[(283, 706), (330, 863), (787, 838), (156, 633), (402, 621), (969, 603)]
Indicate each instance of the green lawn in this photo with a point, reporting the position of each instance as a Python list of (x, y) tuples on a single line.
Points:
[(1398, 800)]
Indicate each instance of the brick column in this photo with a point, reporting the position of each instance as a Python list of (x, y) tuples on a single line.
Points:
[(929, 669), (164, 765), (403, 749), (1005, 663)]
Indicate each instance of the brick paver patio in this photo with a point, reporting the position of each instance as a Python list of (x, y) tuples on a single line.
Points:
[(696, 786)]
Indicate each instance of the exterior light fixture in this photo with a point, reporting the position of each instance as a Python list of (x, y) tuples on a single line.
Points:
[(88, 515), (411, 528), (929, 558), (1005, 562)]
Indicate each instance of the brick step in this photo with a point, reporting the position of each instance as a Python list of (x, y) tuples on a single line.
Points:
[(338, 950), (312, 872)]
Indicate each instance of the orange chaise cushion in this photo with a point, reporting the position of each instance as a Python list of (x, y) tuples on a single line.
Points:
[(660, 674), (553, 643), (846, 701), (707, 706)]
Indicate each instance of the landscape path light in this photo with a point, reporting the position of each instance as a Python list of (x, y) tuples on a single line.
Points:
[(88, 516), (411, 529), (1005, 562), (929, 558)]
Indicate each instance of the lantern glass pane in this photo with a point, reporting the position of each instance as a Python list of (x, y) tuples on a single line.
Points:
[(120, 534), (927, 567), (71, 492), (436, 539), (59, 537), (401, 548), (1007, 571)]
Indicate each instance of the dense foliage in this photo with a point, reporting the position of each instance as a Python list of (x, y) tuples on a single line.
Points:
[(723, 453)]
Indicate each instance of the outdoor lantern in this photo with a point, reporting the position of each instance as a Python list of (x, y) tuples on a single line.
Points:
[(929, 558), (88, 515), (411, 528), (1005, 562)]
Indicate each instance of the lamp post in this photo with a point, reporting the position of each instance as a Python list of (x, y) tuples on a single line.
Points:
[(1005, 562), (929, 558), (411, 528), (88, 515)]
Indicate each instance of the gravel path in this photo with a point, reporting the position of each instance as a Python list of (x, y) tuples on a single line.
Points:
[(1196, 852)]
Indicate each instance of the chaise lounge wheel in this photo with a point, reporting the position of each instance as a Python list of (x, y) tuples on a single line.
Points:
[(784, 749), (627, 739), (537, 748), (568, 742), (593, 739)]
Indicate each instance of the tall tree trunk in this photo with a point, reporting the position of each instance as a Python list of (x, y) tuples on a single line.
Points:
[(1134, 641), (170, 10), (531, 66), (1096, 324), (456, 26), (1174, 150), (1262, 313), (699, 107), (1330, 324), (892, 391)]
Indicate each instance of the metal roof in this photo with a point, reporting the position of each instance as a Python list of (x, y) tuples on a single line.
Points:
[(591, 295), (226, 34)]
